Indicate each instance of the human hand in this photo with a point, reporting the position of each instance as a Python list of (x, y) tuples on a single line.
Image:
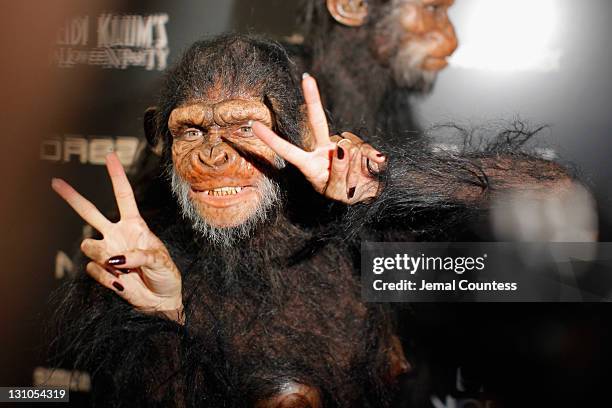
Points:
[(339, 167), (130, 259)]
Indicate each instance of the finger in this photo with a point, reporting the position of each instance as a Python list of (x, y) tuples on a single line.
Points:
[(352, 137), (123, 190), (371, 152), (95, 250), (369, 163), (104, 278), (81, 205), (335, 138), (336, 187), (316, 114), (286, 150), (354, 172), (139, 258)]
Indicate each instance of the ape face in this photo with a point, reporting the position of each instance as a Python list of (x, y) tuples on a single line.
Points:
[(224, 178), (220, 168), (415, 38), (412, 37)]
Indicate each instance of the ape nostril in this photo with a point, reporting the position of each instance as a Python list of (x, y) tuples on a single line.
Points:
[(214, 157), (220, 158)]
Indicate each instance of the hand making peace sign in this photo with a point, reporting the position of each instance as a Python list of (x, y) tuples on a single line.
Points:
[(338, 166), (148, 278)]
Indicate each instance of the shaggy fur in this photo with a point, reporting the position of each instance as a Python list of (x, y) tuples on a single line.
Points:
[(282, 303)]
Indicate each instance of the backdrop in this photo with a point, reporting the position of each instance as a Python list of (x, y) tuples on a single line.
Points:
[(78, 78)]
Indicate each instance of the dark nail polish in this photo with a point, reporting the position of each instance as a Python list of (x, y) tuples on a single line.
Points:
[(116, 260), (351, 192), (118, 286), (340, 153), (380, 155)]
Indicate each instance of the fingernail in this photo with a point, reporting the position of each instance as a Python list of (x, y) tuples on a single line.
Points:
[(118, 286), (351, 192), (340, 153), (250, 123), (380, 155), (116, 260), (305, 75)]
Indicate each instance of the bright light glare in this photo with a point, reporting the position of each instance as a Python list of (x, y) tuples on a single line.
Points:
[(509, 35)]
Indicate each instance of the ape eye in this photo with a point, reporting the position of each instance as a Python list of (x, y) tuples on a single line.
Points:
[(192, 134), (245, 131), (433, 8)]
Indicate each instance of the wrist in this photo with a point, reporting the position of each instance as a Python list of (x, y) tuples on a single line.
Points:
[(176, 314)]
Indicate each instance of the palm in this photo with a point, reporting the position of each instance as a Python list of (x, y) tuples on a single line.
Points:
[(133, 234), (126, 235), (318, 166)]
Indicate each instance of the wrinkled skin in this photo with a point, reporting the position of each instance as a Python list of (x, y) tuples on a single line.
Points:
[(205, 150)]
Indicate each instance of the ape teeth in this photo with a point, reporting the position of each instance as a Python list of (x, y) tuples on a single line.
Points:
[(223, 191)]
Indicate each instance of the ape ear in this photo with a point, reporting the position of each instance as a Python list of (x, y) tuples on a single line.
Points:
[(150, 129), (352, 13)]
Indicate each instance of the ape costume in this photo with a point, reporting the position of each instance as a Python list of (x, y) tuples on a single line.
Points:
[(282, 305)]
